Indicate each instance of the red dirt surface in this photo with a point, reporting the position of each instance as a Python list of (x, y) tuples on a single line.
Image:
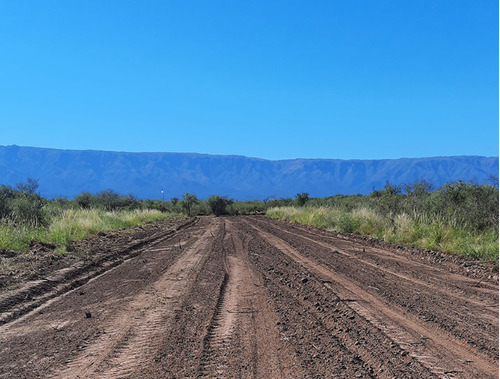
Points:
[(252, 297)]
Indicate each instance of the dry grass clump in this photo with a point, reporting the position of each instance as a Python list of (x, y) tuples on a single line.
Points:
[(72, 225), (405, 229)]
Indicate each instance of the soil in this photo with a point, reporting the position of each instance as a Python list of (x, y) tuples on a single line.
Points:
[(43, 259), (247, 296)]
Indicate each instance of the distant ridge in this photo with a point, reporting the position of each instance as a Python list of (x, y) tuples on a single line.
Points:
[(71, 172)]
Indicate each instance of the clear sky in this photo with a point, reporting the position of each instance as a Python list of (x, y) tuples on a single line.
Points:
[(272, 79)]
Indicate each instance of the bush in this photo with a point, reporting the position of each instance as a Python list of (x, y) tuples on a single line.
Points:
[(273, 203), (468, 204), (219, 204), (22, 205), (188, 202), (84, 200), (348, 223), (7, 194), (248, 207), (460, 217), (388, 201), (28, 210), (301, 199), (107, 200)]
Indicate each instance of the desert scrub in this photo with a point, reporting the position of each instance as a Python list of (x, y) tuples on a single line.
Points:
[(72, 225), (403, 228)]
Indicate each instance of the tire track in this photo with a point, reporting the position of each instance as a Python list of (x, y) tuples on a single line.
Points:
[(436, 350), (434, 276), (134, 335), (243, 297), (17, 303), (242, 339), (217, 339), (329, 338), (431, 302)]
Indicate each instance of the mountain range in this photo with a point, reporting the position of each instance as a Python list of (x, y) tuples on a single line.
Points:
[(70, 172)]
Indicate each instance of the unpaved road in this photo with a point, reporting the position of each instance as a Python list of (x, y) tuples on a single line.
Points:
[(252, 297)]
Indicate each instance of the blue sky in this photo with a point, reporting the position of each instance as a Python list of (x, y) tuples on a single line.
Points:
[(270, 79)]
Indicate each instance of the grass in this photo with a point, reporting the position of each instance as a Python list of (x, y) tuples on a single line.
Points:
[(403, 229), (73, 225)]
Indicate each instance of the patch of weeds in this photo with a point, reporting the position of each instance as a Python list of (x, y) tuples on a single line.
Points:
[(61, 251), (405, 229)]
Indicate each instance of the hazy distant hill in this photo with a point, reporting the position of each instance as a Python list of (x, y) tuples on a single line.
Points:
[(70, 172)]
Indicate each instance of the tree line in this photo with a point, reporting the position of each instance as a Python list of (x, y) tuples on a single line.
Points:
[(463, 202)]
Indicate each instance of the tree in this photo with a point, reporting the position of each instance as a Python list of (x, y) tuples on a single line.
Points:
[(28, 209), (174, 201), (6, 196), (418, 188), (301, 198), (219, 204), (108, 200), (493, 179), (188, 201), (416, 196), (29, 187), (84, 200)]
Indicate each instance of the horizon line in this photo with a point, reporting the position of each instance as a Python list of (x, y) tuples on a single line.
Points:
[(245, 156)]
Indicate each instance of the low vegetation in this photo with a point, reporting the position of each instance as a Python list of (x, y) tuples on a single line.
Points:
[(26, 217), (73, 225), (460, 217)]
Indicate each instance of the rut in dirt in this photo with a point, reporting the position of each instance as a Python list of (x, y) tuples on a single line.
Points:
[(217, 337), (418, 316), (242, 339), (252, 297)]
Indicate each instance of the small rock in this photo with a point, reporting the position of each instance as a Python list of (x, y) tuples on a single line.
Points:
[(88, 314)]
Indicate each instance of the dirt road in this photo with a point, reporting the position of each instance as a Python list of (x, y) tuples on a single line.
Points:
[(252, 297)]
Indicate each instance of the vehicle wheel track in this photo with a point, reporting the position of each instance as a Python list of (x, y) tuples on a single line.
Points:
[(434, 282), (217, 339), (333, 257), (133, 340), (388, 320), (215, 342), (15, 304)]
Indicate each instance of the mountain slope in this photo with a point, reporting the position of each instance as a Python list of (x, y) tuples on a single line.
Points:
[(70, 172)]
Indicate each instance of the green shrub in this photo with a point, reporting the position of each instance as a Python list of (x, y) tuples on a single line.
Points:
[(347, 223), (7, 194), (460, 217), (27, 209), (219, 205), (301, 199), (84, 200), (188, 202)]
